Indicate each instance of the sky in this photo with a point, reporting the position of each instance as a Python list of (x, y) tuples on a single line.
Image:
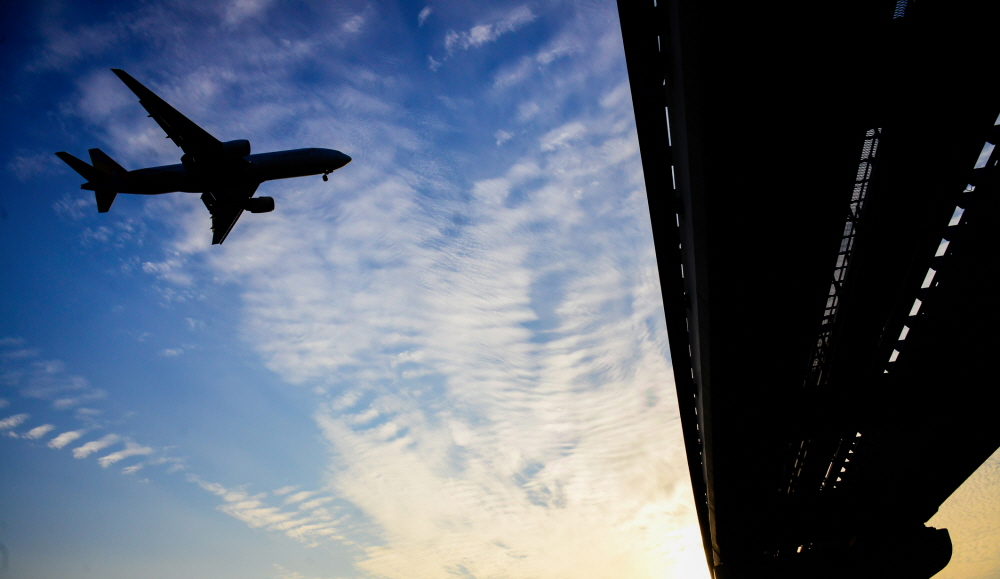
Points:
[(450, 360)]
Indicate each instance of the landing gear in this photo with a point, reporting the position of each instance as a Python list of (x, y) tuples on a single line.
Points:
[(325, 178)]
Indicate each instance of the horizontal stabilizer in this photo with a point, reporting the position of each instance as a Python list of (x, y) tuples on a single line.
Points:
[(104, 199), (86, 171), (105, 164)]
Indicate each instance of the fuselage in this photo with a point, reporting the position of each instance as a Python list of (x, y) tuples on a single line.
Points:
[(262, 167)]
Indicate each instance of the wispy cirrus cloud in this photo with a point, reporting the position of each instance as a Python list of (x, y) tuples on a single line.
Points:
[(236, 11), (298, 497), (31, 165), (74, 207), (13, 421), (489, 32), (35, 378), (579, 36), (71, 401), (65, 438), (39, 431), (424, 13), (95, 446), (46, 379), (533, 415), (307, 523), (354, 24), (131, 449), (480, 34)]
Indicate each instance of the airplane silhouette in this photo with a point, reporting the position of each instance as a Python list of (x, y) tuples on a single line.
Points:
[(225, 173)]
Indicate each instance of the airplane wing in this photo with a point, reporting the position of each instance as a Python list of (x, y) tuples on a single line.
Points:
[(226, 207), (193, 139)]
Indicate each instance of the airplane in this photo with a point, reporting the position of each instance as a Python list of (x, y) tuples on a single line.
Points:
[(225, 173)]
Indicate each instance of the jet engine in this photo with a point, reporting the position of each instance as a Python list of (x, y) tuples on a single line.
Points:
[(237, 148), (259, 204)]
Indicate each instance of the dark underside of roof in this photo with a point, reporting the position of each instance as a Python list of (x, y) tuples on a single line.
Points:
[(815, 157)]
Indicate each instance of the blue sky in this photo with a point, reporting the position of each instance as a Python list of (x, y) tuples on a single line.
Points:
[(449, 360)]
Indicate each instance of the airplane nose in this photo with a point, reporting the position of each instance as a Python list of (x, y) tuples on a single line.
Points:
[(340, 159)]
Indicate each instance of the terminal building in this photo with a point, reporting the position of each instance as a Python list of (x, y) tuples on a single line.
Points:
[(823, 187)]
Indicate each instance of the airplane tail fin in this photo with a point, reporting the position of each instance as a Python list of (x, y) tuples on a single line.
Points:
[(102, 170), (109, 169), (105, 164)]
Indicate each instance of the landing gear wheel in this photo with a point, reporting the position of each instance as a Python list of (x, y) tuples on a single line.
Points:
[(325, 178)]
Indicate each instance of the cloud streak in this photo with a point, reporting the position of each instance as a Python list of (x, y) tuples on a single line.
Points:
[(39, 431), (422, 17), (65, 438), (309, 523), (49, 380), (131, 449), (95, 446), (482, 34), (13, 421)]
